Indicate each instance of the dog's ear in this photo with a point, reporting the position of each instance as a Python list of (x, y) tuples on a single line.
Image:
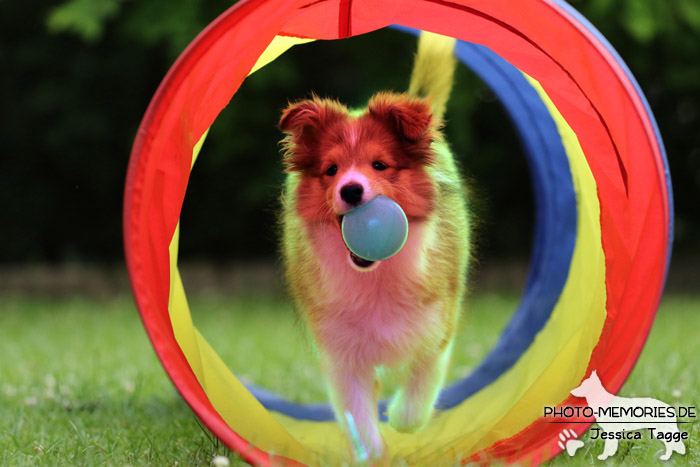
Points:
[(304, 118), (304, 121), (410, 117)]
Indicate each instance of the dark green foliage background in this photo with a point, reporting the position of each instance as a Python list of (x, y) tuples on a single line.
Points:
[(77, 77)]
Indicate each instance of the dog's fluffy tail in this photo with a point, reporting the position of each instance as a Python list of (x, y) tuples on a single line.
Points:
[(433, 70)]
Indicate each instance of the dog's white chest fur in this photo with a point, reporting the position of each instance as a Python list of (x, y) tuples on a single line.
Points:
[(373, 316)]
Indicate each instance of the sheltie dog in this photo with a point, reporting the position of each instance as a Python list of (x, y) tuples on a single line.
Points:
[(399, 314)]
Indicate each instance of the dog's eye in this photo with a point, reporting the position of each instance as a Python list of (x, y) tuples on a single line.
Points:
[(376, 165), (332, 170)]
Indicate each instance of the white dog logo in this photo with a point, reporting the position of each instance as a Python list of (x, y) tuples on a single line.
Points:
[(617, 415)]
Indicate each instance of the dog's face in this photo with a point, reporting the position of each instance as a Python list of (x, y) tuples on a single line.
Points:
[(345, 159)]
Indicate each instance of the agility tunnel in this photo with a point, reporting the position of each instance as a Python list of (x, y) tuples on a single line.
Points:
[(603, 224)]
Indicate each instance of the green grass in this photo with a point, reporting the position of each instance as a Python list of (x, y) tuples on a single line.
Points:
[(80, 384)]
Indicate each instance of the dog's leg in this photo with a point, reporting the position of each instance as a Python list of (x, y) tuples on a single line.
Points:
[(413, 404), (677, 446), (353, 391), (609, 449), (669, 450), (671, 446)]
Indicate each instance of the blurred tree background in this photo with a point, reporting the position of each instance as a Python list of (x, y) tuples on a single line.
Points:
[(77, 76)]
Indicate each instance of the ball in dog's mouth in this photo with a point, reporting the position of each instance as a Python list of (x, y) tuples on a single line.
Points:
[(359, 262)]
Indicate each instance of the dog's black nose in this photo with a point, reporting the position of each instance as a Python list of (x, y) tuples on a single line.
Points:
[(351, 193)]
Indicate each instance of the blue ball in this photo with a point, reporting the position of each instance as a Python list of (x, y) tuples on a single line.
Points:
[(376, 230)]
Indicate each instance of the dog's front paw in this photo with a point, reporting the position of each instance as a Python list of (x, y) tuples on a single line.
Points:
[(407, 417), (366, 441)]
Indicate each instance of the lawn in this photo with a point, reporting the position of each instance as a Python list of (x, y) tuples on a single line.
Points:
[(80, 384)]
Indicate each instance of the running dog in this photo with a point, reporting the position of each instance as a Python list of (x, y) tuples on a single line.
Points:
[(401, 313)]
